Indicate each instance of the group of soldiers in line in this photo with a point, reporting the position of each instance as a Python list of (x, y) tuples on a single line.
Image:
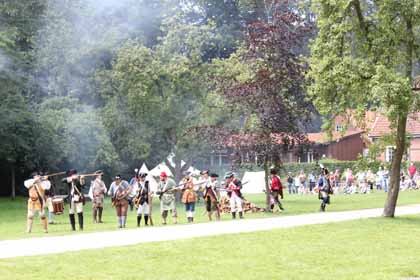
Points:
[(139, 192)]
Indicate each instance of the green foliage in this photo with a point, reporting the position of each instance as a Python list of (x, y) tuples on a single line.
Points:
[(72, 134)]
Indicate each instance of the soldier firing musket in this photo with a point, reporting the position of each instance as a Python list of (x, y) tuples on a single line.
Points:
[(36, 202), (76, 198)]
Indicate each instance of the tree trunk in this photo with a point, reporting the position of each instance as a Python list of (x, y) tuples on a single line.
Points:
[(267, 185), (12, 173), (394, 184), (391, 201)]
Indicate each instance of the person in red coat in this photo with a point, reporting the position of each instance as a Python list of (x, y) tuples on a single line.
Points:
[(276, 189)]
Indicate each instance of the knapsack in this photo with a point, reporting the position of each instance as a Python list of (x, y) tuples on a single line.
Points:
[(329, 187)]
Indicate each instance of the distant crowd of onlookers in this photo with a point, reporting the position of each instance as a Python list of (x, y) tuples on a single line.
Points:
[(348, 182)]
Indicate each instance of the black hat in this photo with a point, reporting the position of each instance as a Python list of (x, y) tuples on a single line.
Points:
[(99, 172), (35, 173), (118, 177), (214, 175), (229, 174), (273, 171), (142, 174), (71, 172)]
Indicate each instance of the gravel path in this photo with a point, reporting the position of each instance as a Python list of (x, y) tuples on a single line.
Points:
[(67, 243)]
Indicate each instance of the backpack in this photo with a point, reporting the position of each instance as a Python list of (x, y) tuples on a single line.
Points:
[(329, 187)]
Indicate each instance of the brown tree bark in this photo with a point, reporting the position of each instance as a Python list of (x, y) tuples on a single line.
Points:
[(12, 173), (394, 184), (391, 201), (267, 184)]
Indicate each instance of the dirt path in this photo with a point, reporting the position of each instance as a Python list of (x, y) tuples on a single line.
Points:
[(67, 243)]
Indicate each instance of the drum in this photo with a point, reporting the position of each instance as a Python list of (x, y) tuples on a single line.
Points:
[(58, 206)]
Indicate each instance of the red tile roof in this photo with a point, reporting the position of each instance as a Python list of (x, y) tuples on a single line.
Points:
[(322, 137), (381, 126)]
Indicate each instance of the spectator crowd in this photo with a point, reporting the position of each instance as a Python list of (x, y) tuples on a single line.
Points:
[(352, 182)]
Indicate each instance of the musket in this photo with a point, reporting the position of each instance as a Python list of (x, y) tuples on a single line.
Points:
[(55, 174), (178, 187), (89, 175), (226, 189)]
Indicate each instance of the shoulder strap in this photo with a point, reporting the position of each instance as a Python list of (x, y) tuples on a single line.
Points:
[(39, 196)]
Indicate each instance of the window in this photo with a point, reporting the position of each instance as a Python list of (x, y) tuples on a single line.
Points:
[(338, 127), (389, 153)]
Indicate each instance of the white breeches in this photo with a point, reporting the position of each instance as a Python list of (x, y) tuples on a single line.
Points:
[(143, 209), (50, 204), (235, 203), (76, 207), (32, 213)]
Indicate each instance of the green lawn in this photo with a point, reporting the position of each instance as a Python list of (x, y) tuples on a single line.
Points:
[(365, 249), (13, 213)]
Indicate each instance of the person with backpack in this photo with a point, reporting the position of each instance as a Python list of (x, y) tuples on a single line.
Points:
[(325, 189)]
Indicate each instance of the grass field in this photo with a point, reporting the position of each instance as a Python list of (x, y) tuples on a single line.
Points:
[(13, 213), (365, 249)]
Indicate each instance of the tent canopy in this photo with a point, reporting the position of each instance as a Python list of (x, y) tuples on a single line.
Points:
[(256, 182), (163, 168)]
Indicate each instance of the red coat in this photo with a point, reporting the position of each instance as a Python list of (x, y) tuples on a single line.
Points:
[(276, 185), (235, 186)]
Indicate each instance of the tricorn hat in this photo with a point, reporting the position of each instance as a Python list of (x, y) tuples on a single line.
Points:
[(229, 174), (71, 172), (142, 174)]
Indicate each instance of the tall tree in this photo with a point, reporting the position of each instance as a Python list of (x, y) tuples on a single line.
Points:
[(19, 21), (271, 88), (363, 58)]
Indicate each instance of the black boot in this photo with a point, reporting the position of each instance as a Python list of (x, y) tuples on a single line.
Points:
[(280, 206), (233, 215), (241, 216), (139, 220), (146, 220), (192, 219), (72, 222), (80, 216), (100, 214)]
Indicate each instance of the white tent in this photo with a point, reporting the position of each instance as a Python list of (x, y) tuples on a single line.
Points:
[(162, 167), (144, 169), (255, 182)]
